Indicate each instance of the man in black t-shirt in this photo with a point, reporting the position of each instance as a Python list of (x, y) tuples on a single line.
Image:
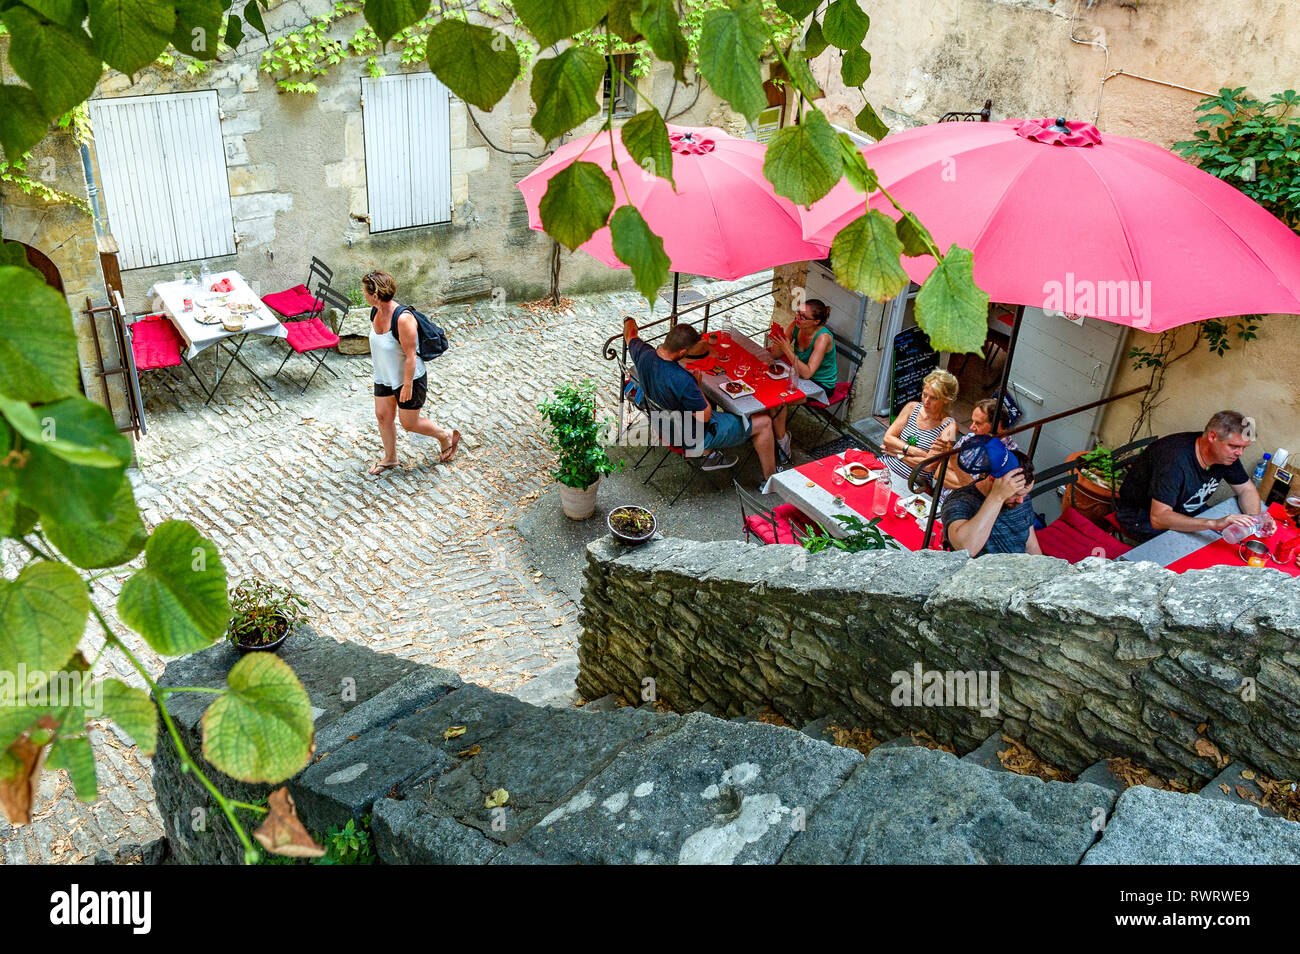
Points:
[(1175, 477)]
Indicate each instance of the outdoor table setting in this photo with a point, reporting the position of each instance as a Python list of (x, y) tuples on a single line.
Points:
[(855, 483), (1181, 551), (220, 309), (737, 374)]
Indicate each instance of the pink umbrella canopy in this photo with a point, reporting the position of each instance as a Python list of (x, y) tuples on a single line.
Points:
[(1061, 217), (724, 221)]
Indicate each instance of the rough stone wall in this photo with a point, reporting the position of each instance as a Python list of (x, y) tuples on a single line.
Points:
[(1094, 660), (296, 167)]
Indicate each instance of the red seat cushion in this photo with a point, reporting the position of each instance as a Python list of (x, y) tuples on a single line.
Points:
[(310, 335), (839, 394), (788, 517), (155, 343), (1074, 537), (294, 301)]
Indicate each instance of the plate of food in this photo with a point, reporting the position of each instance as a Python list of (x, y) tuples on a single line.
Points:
[(737, 388), (207, 317), (241, 307), (778, 371), (858, 474), (915, 506)]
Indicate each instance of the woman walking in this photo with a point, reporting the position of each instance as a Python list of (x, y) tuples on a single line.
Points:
[(923, 428), (401, 381)]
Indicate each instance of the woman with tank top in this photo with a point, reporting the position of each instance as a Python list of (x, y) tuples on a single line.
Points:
[(923, 428), (809, 346), (401, 379)]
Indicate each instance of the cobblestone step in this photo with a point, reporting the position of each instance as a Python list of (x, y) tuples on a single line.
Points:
[(1231, 779), (986, 755), (1099, 773)]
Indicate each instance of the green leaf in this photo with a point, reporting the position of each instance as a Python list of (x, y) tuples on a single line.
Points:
[(390, 17), (110, 542), (133, 711), (234, 32), (129, 34), (865, 256), (950, 308), (70, 492), (42, 617), (856, 170), (23, 123), (178, 601), (75, 754), (197, 31), (798, 9), (855, 67), (730, 43), (645, 136), (577, 202), (642, 251), (663, 31), (552, 20), (66, 430), (477, 64), (803, 162), (871, 124), (813, 41), (253, 15), (622, 19), (38, 348), (845, 25), (58, 63), (915, 237), (68, 13), (564, 89), (260, 730), (801, 75)]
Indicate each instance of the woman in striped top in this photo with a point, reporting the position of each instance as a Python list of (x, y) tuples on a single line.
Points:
[(923, 428)]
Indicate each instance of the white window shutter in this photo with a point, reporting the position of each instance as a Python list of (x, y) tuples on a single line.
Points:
[(164, 171), (408, 150)]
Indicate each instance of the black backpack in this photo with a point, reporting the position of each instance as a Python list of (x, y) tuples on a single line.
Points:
[(431, 340)]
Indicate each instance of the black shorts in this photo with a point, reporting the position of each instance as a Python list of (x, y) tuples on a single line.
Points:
[(419, 392)]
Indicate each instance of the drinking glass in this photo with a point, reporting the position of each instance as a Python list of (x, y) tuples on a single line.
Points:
[(880, 500), (1292, 506), (837, 480)]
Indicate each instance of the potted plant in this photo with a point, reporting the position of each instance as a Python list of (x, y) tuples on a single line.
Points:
[(631, 524), (579, 438), (1095, 492), (262, 615)]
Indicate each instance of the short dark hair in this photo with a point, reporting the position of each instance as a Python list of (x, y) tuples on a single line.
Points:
[(817, 310), (1226, 423), (1026, 465), (681, 337)]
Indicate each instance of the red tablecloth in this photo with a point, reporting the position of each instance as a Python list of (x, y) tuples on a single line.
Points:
[(860, 499), (770, 392), (1219, 553)]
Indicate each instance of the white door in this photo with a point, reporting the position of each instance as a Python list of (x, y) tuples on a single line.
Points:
[(407, 119)]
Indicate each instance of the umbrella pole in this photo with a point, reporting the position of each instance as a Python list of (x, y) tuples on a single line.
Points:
[(1006, 367), (672, 315)]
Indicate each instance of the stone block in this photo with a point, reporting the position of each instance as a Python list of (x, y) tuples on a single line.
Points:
[(247, 179), (259, 205), (241, 123)]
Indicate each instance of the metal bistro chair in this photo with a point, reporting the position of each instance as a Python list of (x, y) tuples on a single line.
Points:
[(311, 336), (1124, 458), (154, 344), (1072, 536), (302, 301), (770, 525), (631, 406), (655, 411), (838, 401)]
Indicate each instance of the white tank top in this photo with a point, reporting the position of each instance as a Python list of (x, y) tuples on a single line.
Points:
[(389, 358)]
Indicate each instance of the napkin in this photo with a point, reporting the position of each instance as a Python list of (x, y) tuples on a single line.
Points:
[(865, 458), (223, 286), (777, 331)]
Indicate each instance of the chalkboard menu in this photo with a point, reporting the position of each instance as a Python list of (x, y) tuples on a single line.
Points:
[(913, 359)]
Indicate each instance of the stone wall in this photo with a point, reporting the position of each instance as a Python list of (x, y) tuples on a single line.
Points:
[(1093, 660)]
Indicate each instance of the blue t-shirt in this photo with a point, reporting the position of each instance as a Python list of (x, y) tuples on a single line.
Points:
[(667, 383), (1010, 532)]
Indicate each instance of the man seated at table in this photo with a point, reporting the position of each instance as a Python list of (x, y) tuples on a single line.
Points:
[(993, 514), (1175, 477), (674, 388)]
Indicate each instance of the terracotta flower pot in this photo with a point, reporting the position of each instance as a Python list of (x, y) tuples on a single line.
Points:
[(578, 504), (1094, 500)]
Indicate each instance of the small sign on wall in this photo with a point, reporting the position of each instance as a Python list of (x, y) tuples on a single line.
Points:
[(769, 121)]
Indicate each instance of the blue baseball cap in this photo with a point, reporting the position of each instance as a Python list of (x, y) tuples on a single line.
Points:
[(985, 456)]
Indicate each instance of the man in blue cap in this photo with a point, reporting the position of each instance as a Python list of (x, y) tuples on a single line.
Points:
[(993, 514)]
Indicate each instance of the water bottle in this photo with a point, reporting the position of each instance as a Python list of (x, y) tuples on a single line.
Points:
[(205, 274), (1262, 466), (1234, 533)]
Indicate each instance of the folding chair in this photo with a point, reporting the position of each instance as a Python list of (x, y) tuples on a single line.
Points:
[(655, 411), (631, 403), (312, 336), (774, 525), (849, 357), (156, 345), (302, 301)]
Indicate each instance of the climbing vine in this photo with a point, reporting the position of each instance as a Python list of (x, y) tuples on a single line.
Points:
[(16, 174)]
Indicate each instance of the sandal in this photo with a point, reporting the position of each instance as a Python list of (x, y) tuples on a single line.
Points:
[(379, 466), (450, 452)]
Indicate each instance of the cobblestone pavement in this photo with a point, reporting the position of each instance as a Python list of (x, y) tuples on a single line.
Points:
[(421, 561)]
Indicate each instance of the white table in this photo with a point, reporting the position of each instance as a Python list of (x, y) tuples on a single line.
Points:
[(816, 501), (198, 337), (749, 405), (1172, 545)]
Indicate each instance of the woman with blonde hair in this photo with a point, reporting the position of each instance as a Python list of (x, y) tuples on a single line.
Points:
[(401, 380), (922, 429)]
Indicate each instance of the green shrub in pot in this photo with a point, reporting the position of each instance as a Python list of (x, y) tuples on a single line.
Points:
[(580, 440)]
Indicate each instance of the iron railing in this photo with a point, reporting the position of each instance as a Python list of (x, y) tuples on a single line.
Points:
[(983, 116)]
